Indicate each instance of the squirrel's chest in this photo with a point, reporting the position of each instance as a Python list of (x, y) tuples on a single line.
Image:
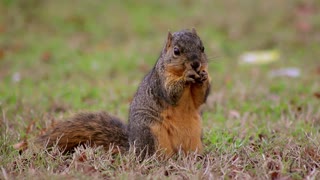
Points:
[(180, 128)]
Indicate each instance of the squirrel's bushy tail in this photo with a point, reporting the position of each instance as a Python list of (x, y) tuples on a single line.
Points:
[(97, 128)]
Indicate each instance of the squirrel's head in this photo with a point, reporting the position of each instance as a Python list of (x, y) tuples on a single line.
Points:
[(184, 50)]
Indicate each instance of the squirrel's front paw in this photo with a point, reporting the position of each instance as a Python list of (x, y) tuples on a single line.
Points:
[(203, 76), (191, 76)]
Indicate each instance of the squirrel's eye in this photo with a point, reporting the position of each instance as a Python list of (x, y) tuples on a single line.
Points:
[(176, 51), (202, 49)]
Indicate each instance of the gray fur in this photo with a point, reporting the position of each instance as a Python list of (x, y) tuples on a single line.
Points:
[(153, 97)]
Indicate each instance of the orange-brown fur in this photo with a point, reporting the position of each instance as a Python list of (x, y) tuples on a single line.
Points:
[(198, 91), (98, 128), (180, 128)]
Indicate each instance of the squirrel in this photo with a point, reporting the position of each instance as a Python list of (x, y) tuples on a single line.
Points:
[(164, 115)]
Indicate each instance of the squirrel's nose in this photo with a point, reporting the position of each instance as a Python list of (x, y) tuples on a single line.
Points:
[(195, 65)]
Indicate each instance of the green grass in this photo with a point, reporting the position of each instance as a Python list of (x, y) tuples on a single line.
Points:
[(61, 57)]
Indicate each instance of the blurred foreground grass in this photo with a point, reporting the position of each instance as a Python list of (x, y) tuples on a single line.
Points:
[(60, 57)]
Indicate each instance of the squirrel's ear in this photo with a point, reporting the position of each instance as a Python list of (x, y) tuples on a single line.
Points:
[(194, 31), (169, 41)]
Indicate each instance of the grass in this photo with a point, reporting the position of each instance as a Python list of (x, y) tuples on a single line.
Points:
[(58, 58)]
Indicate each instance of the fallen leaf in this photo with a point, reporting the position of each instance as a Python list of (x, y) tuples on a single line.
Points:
[(2, 53), (273, 165), (305, 9), (234, 114), (275, 175), (21, 146), (317, 95), (2, 28), (303, 27), (30, 127), (46, 56), (318, 70), (303, 12), (262, 136), (313, 153), (82, 157)]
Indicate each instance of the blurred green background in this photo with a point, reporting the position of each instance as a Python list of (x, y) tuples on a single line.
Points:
[(58, 57)]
